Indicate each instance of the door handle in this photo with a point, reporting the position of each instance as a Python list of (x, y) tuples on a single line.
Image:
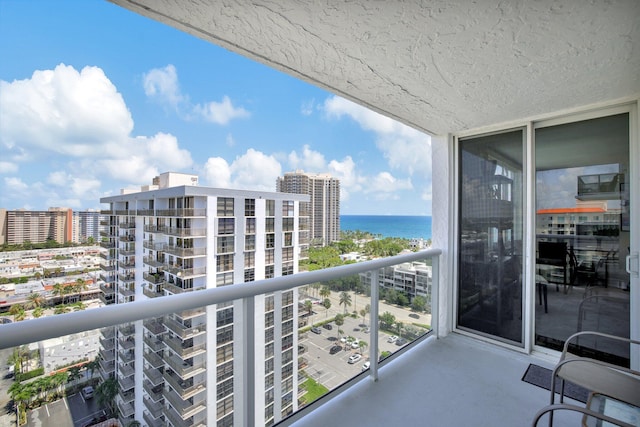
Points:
[(633, 272)]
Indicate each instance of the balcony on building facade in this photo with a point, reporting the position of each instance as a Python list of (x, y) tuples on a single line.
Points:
[(145, 212), (124, 212), (153, 291), (126, 409), (182, 330), (126, 383), (153, 245), (128, 397), (107, 366), (127, 224), (153, 262), (174, 289), (153, 422), (184, 408), (154, 343), (126, 356), (108, 245), (124, 290), (185, 272), (185, 252), (126, 370), (182, 213), (128, 237), (154, 406), (154, 278), (184, 388), (153, 375), (185, 349), (154, 394), (178, 421), (185, 368), (107, 299), (154, 360), (185, 232), (127, 343), (107, 288), (128, 249), (154, 326)]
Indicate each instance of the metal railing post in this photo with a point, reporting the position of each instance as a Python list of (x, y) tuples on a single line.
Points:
[(374, 325), (435, 294), (249, 360)]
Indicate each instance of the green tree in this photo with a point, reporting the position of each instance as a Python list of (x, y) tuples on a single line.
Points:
[(61, 309), (80, 286), (18, 312), (308, 306), (107, 391), (362, 345), (387, 320), (325, 292), (60, 290), (419, 304), (339, 321), (93, 366), (327, 305), (345, 300), (37, 312), (74, 374), (35, 300)]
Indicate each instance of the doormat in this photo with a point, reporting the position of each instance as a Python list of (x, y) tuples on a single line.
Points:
[(541, 377)]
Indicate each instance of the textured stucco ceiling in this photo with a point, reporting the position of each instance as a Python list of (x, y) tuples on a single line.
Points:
[(440, 65)]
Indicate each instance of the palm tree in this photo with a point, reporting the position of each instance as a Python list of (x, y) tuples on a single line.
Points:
[(35, 300), (61, 309), (60, 290), (81, 286), (74, 374), (308, 305), (107, 391), (325, 292), (339, 320), (345, 299), (327, 305), (316, 287), (362, 345), (37, 312), (93, 366), (17, 311)]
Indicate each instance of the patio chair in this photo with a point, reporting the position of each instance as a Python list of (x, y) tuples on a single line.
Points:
[(586, 413), (617, 382)]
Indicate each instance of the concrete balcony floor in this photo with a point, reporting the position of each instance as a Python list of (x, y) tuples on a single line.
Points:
[(451, 381)]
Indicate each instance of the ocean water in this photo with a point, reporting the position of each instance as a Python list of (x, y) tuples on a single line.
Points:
[(407, 227)]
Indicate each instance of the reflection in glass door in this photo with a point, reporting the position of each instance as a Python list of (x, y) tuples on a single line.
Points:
[(582, 234), (490, 235)]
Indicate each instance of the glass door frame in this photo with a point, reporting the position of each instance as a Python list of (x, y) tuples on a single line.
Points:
[(529, 221)]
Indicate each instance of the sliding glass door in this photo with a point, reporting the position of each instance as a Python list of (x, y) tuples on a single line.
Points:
[(490, 285), (582, 229)]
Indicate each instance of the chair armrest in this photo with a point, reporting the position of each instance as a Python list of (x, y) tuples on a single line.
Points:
[(600, 334), (585, 411)]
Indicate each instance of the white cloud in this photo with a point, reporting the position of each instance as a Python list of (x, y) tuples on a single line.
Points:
[(220, 112), (309, 160), (405, 148), (8, 167), (58, 178), (385, 186), (78, 114), (217, 172), (162, 84), (253, 170)]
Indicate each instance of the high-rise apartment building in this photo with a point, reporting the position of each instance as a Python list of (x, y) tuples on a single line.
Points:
[(185, 369), (323, 206), (20, 226), (86, 224)]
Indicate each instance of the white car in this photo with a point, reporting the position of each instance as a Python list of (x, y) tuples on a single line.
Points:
[(392, 338), (366, 365), (354, 358), (355, 345)]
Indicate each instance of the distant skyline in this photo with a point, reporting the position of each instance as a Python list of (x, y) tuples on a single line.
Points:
[(95, 98)]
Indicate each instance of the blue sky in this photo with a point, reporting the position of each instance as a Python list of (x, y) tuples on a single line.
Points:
[(94, 98)]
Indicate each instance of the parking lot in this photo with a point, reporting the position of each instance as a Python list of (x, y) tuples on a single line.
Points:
[(331, 370), (72, 411)]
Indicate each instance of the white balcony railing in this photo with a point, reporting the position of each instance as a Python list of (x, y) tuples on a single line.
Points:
[(16, 334)]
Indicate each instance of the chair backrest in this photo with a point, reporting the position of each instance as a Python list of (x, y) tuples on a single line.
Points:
[(552, 250)]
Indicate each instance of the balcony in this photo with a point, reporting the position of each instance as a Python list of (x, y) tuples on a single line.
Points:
[(126, 409), (153, 278), (152, 293), (452, 380), (183, 331), (183, 349), (124, 290), (106, 288), (175, 289), (126, 383), (185, 272), (185, 232), (153, 406), (185, 389), (154, 342), (153, 359), (153, 422), (153, 262), (182, 213), (154, 326), (154, 393), (185, 252), (184, 408)]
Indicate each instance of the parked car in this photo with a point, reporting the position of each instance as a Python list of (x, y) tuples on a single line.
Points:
[(316, 330), (87, 392), (366, 365), (354, 358), (392, 338), (414, 315), (335, 349), (401, 342), (327, 326), (355, 345)]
